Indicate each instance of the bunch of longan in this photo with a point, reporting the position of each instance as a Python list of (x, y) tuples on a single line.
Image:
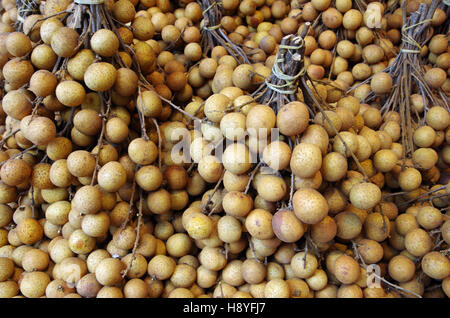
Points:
[(136, 162)]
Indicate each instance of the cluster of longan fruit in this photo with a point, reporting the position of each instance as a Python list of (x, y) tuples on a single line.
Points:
[(98, 200)]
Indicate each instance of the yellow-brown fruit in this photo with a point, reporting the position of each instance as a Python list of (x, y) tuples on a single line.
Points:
[(38, 129), (29, 231), (126, 82), (18, 44), (365, 195), (15, 171), (43, 83), (70, 93), (123, 11), (64, 42), (287, 227), (17, 72), (16, 104), (381, 83), (292, 118), (149, 104), (306, 160), (100, 76), (104, 42), (309, 206)]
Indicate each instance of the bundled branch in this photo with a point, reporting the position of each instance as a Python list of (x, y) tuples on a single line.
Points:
[(282, 85), (407, 72), (25, 8), (213, 34)]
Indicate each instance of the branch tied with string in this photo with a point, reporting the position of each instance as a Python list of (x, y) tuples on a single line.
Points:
[(282, 85), (213, 33)]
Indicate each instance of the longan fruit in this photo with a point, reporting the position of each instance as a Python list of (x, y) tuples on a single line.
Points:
[(142, 152), (292, 118), (232, 125), (437, 118), (429, 217), (58, 212), (277, 155), (6, 268), (104, 42), (306, 160), (135, 288), (29, 231), (64, 41), (236, 158), (88, 286), (147, 245), (159, 202), (81, 243), (401, 268), (329, 291), (318, 280), (309, 206), (304, 267), (286, 226), (58, 289), (207, 278), (346, 269), (199, 226), (418, 242), (409, 179), (324, 231), (349, 291), (6, 215), (39, 130), (348, 224), (276, 288), (43, 83), (414, 286), (81, 163), (116, 130), (71, 269), (365, 195), (259, 224), (237, 204), (370, 250), (424, 136), (298, 288), (425, 158), (15, 171), (436, 265), (178, 245), (112, 176), (124, 238), (95, 258), (271, 187), (87, 200), (161, 267), (385, 160), (60, 249), (34, 284), (123, 11), (260, 120), (212, 258), (110, 292), (95, 225), (232, 273), (183, 276), (253, 272), (229, 229), (109, 271), (334, 167)]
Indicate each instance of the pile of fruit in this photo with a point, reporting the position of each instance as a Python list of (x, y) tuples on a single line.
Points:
[(232, 149)]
